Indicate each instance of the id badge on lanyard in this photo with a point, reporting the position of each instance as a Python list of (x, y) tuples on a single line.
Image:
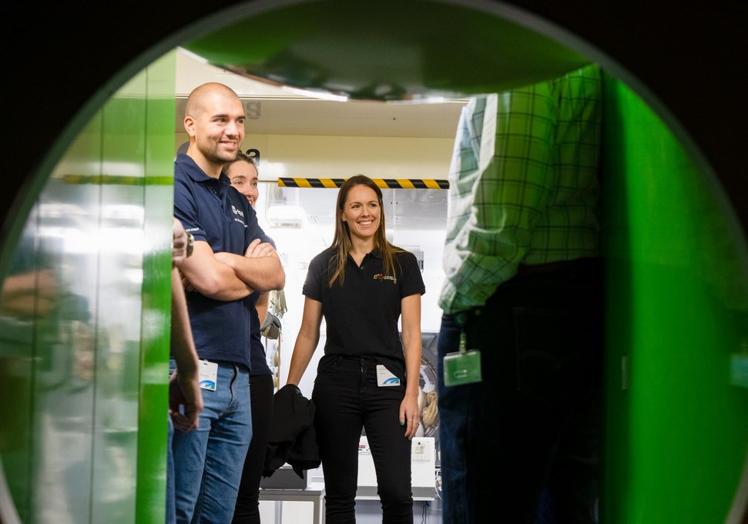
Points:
[(462, 367)]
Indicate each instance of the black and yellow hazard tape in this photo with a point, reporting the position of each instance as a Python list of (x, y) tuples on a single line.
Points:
[(330, 183), (383, 183)]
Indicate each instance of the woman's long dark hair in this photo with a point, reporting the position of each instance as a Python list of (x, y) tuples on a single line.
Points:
[(341, 243)]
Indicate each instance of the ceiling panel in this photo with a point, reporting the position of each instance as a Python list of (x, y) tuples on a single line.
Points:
[(273, 109)]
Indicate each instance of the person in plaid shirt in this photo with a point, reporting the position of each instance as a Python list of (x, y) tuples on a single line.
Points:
[(524, 286)]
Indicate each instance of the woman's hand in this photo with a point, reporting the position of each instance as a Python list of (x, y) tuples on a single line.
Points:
[(409, 414), (179, 242)]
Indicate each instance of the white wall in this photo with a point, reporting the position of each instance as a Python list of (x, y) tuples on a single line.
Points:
[(314, 156)]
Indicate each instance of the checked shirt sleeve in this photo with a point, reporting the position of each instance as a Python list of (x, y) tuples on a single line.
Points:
[(500, 181)]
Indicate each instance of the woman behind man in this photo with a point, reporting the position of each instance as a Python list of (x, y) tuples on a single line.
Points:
[(243, 176), (367, 378)]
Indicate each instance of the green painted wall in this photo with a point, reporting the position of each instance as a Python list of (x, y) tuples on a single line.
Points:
[(84, 322), (677, 429), (156, 310)]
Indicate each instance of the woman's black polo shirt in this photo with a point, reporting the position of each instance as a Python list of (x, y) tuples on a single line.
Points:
[(361, 315)]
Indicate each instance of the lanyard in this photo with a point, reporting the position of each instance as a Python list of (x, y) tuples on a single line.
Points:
[(464, 366)]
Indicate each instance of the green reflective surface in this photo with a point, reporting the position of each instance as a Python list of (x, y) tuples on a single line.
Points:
[(84, 322), (120, 263), (386, 50), (156, 307), (678, 316)]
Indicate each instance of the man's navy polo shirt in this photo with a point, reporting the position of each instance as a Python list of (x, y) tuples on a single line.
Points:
[(361, 315), (217, 213)]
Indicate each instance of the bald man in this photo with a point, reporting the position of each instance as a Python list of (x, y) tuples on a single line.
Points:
[(232, 258)]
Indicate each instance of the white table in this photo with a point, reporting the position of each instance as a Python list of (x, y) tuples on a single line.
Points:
[(314, 494)]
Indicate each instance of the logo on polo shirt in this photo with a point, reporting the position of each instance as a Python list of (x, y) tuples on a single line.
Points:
[(237, 211), (382, 276), (240, 213)]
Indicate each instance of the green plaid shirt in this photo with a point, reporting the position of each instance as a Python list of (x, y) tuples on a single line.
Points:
[(523, 184)]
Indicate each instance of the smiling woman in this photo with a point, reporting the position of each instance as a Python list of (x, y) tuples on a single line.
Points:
[(361, 213), (242, 172), (367, 379), (243, 176)]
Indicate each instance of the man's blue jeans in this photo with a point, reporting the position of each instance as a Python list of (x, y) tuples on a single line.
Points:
[(170, 509), (208, 461), (523, 446)]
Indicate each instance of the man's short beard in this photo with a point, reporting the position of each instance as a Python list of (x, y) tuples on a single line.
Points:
[(213, 156)]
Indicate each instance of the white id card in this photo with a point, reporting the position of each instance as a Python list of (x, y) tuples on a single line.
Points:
[(385, 377), (208, 375)]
